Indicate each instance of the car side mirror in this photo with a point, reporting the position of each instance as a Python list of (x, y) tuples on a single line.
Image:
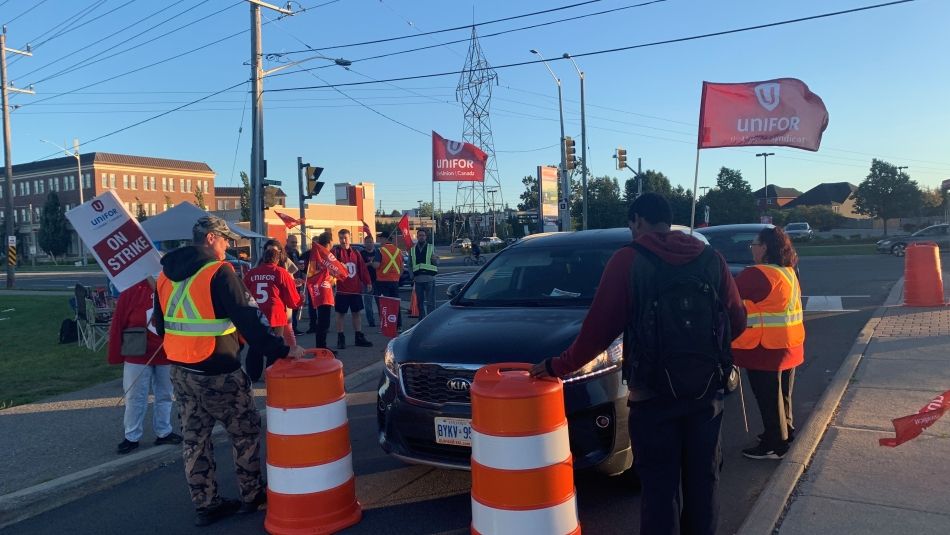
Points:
[(454, 289)]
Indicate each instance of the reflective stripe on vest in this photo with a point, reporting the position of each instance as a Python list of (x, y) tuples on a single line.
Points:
[(427, 268), (392, 263), (188, 314), (776, 322)]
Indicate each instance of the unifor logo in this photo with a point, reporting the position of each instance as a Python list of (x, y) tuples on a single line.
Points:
[(768, 95), (97, 205), (391, 318), (454, 147), (459, 384)]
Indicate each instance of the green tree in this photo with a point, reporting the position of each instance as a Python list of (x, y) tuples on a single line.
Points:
[(425, 209), (654, 181), (605, 207), (731, 201), (140, 210), (886, 193), (681, 202), (199, 198), (931, 202), (395, 213), (54, 235), (529, 197), (168, 202), (245, 197)]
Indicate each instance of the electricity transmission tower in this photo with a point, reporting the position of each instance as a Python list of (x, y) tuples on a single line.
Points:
[(474, 93)]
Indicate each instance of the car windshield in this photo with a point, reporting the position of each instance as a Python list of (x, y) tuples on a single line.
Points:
[(795, 226), (734, 246), (535, 276)]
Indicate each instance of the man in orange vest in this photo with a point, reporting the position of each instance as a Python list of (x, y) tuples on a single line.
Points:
[(201, 306), (389, 273)]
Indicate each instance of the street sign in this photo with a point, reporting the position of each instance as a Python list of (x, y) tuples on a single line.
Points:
[(562, 205), (11, 241)]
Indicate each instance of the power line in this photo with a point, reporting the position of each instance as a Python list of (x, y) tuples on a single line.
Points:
[(36, 5), (610, 50), (465, 27), (72, 19)]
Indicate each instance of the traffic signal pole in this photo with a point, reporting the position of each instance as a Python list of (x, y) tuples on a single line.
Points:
[(303, 207)]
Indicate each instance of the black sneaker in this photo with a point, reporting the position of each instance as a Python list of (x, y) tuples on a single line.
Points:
[(170, 438), (340, 341), (361, 340), (219, 509), (126, 446), (255, 505), (791, 436), (764, 452)]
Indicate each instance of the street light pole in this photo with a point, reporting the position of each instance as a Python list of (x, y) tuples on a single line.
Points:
[(75, 154), (765, 191), (583, 140), (565, 183), (492, 191)]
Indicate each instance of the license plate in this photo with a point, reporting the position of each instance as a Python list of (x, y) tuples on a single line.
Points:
[(455, 431)]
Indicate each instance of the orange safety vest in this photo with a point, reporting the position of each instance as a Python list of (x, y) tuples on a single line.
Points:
[(777, 321), (391, 267), (190, 323)]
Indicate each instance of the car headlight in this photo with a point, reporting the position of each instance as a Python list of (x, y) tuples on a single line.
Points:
[(607, 361), (389, 359)]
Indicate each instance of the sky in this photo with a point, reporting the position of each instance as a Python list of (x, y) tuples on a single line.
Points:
[(882, 74)]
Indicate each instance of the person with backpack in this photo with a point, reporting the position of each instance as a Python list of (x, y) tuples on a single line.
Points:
[(676, 305), (773, 344)]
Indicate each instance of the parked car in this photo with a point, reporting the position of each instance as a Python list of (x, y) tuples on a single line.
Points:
[(532, 298), (460, 245), (799, 231), (897, 244), (491, 243), (732, 241)]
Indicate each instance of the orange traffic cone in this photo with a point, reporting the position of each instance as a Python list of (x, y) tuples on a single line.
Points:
[(923, 278), (414, 304), (522, 469), (310, 484)]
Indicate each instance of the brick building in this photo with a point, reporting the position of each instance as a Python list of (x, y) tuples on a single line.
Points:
[(155, 183), (229, 198)]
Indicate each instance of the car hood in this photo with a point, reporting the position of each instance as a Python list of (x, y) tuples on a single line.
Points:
[(475, 335), (895, 238)]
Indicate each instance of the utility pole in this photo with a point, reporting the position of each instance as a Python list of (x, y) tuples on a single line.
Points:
[(585, 171), (565, 181), (639, 179), (492, 192), (301, 182), (74, 154), (765, 160), (5, 89), (704, 188)]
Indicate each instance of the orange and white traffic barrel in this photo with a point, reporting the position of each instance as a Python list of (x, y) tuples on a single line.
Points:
[(310, 483), (522, 469)]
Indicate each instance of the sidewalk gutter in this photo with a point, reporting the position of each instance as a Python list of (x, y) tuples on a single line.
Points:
[(771, 503), (38, 499)]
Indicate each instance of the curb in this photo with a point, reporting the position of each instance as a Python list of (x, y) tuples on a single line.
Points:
[(771, 503), (38, 499)]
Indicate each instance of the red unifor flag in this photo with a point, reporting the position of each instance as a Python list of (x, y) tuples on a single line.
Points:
[(456, 161), (289, 221), (404, 230), (779, 112), (366, 229), (910, 427), (389, 315)]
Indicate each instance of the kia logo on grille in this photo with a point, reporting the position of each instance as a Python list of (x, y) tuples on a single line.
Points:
[(459, 385)]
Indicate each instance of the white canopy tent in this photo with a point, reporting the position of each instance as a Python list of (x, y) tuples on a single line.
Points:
[(176, 224)]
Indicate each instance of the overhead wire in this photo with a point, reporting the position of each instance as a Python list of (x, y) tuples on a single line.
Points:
[(72, 19), (237, 145), (34, 6)]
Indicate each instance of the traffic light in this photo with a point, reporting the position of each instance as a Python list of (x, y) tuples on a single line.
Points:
[(621, 156), (570, 158), (312, 175)]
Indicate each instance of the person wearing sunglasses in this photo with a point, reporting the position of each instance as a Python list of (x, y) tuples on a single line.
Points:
[(773, 344)]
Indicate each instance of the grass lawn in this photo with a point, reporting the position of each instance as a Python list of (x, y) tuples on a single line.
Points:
[(836, 250), (33, 364)]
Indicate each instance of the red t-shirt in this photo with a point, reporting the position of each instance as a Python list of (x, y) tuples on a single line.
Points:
[(275, 291), (134, 309), (356, 275)]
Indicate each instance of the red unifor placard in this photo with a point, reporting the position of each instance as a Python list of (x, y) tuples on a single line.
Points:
[(910, 427)]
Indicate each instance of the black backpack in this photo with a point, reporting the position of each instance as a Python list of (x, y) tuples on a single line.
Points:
[(68, 331), (678, 343)]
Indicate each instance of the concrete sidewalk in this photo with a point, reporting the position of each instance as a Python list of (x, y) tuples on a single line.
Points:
[(844, 481), (61, 449)]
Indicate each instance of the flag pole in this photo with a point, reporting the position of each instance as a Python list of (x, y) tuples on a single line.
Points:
[(433, 213), (692, 217)]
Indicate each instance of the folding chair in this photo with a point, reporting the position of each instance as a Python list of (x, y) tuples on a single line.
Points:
[(92, 333)]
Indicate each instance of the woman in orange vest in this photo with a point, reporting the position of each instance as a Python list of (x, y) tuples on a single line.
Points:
[(773, 344)]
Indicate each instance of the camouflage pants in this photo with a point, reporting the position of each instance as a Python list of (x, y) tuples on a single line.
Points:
[(226, 398)]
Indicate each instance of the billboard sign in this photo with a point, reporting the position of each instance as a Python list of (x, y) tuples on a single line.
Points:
[(547, 193)]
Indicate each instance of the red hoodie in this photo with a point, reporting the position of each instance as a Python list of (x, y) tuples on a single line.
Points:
[(134, 310), (755, 287), (356, 276), (609, 312)]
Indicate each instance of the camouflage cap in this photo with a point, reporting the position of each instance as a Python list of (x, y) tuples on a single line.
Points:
[(210, 223)]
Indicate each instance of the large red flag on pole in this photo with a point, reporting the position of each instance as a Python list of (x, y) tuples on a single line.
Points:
[(780, 112), (456, 161), (404, 231)]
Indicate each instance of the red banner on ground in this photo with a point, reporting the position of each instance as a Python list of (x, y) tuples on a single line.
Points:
[(389, 315), (780, 112), (456, 161), (404, 231), (910, 427)]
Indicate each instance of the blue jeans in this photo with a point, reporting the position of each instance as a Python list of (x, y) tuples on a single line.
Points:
[(425, 296), (157, 378), (369, 302), (677, 445)]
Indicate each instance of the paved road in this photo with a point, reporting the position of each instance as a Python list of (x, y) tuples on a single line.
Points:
[(412, 499), (56, 280)]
